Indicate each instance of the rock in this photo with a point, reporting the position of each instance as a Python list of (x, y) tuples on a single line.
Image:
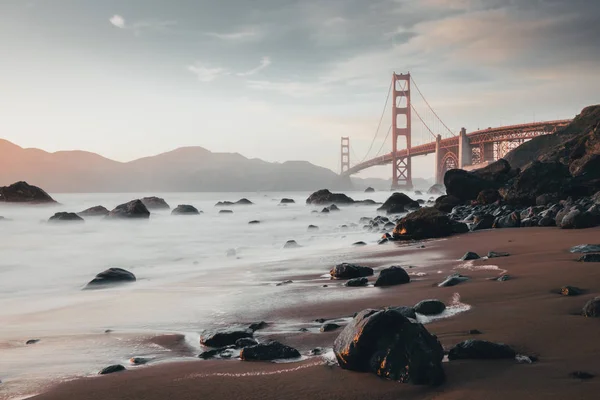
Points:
[(317, 351), (155, 203), (139, 360), (590, 257), (245, 342), (254, 222), (426, 223), (284, 283), (581, 375), (324, 196), (446, 203), (467, 185), (134, 209), (22, 192), (225, 211), (358, 244), (286, 201), (268, 351), (333, 207), (496, 254), (369, 190), (438, 188), (546, 199), (291, 244), (185, 209), (453, 280), (32, 341), (408, 312), (546, 221), (480, 350), (329, 327), (112, 369), (325, 210), (570, 291), (224, 204), (224, 337), (502, 278), (488, 196), (243, 202), (592, 308), (585, 248), (536, 179), (357, 282), (397, 203), (65, 217), (483, 222), (430, 307), (255, 326), (208, 354), (386, 343), (111, 276), (513, 220), (350, 271), (475, 332), (313, 228), (470, 256), (96, 211), (392, 276), (576, 219)]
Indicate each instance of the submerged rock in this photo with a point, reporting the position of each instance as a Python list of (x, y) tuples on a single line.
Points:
[(397, 203), (112, 369), (224, 337), (581, 375), (430, 307), (155, 203), (96, 211), (496, 254), (369, 190), (255, 326), (357, 282), (313, 228), (570, 291), (324, 196), (225, 211), (427, 223), (185, 209), (386, 343), (453, 280), (291, 244), (585, 248), (392, 276), (350, 271), (592, 308), (590, 257), (32, 341), (22, 192), (328, 327), (111, 276), (268, 352), (245, 342), (254, 222), (480, 350), (286, 201), (359, 244), (65, 217), (470, 256), (134, 209), (139, 360)]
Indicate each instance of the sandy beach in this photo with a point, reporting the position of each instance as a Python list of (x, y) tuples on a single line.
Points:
[(524, 312)]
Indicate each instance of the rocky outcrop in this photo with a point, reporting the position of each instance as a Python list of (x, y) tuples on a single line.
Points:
[(389, 345), (392, 276), (446, 203), (65, 217), (155, 203), (398, 203), (22, 192), (185, 209), (427, 223), (480, 350), (350, 271), (324, 196), (240, 202), (225, 337), (268, 351), (467, 185), (96, 211), (135, 209), (111, 277)]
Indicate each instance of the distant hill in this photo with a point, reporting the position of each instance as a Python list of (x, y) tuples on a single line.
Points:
[(187, 169)]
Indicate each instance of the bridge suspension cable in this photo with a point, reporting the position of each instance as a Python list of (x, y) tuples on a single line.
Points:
[(431, 108), (421, 119), (384, 141), (387, 99)]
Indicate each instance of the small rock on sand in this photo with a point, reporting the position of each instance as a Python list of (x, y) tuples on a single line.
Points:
[(590, 257), (480, 349), (470, 256), (496, 254), (430, 307), (268, 351), (570, 291), (32, 341), (112, 369)]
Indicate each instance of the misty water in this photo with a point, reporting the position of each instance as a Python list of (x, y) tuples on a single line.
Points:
[(185, 280)]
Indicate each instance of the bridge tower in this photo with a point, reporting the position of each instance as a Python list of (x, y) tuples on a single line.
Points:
[(401, 107), (345, 153)]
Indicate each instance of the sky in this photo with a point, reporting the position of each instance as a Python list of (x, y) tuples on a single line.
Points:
[(284, 79)]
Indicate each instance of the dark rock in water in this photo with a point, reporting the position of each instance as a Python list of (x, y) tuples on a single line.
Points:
[(590, 257), (111, 276), (329, 327), (333, 207), (483, 222), (358, 244), (512, 220), (397, 203), (453, 280), (418, 193), (313, 228), (224, 337), (208, 354), (502, 278), (255, 326), (155, 203), (224, 203), (139, 360), (357, 282), (243, 202), (268, 351), (97, 211), (466, 185), (570, 291), (470, 256), (421, 201), (392, 276), (366, 202), (496, 254), (32, 341), (133, 210), (286, 201), (408, 312), (369, 190), (245, 342), (480, 350), (585, 248), (592, 308), (430, 307), (317, 351), (475, 332), (438, 188), (325, 210), (581, 375), (324, 196), (65, 217), (427, 223), (350, 271), (112, 369), (225, 211), (488, 196), (254, 222), (22, 192), (284, 283), (446, 203), (291, 244), (185, 209), (386, 343)]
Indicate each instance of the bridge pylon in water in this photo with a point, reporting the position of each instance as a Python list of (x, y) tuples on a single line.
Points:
[(345, 154), (401, 129)]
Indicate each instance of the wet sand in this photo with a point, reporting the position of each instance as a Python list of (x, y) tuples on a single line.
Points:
[(523, 312)]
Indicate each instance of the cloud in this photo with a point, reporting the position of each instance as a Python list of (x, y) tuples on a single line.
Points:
[(264, 63), (118, 21), (246, 35), (205, 73)]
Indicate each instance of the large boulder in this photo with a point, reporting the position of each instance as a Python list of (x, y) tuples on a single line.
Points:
[(111, 277), (22, 192), (96, 211), (397, 203), (537, 179), (155, 203), (392, 276), (427, 223), (185, 209), (388, 344), (480, 350), (65, 217), (268, 351), (324, 196), (467, 185), (430, 307), (134, 209), (225, 337), (576, 219), (446, 203), (350, 271)]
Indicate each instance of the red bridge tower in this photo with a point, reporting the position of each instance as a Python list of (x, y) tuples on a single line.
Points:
[(345, 154), (401, 128)]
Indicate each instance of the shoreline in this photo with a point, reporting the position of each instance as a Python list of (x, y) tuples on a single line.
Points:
[(522, 312)]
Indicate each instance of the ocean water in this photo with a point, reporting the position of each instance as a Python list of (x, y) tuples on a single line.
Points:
[(186, 282)]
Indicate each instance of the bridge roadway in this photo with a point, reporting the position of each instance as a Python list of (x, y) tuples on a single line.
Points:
[(448, 149)]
